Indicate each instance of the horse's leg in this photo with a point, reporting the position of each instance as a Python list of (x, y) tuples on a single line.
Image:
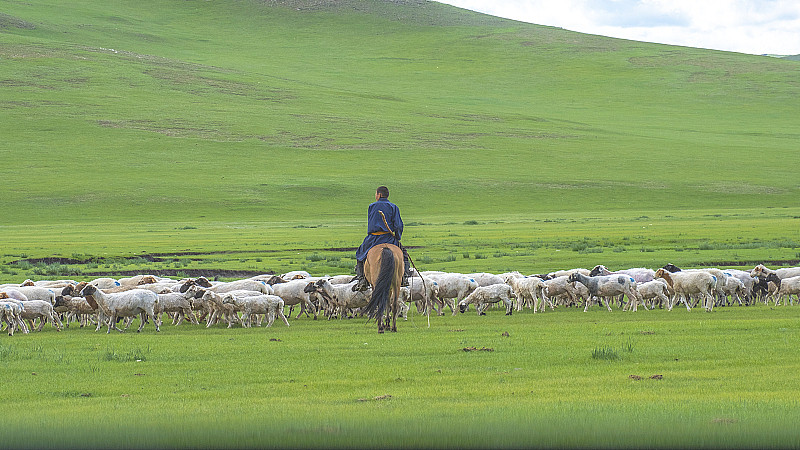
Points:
[(394, 316)]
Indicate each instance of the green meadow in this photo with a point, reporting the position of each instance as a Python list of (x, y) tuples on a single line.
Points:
[(555, 379), (240, 137)]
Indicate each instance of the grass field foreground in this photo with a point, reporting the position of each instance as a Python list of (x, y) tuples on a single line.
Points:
[(668, 379)]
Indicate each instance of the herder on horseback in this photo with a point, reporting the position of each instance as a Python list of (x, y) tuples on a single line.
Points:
[(384, 226)]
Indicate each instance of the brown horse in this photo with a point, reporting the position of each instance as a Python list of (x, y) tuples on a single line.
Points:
[(384, 271)]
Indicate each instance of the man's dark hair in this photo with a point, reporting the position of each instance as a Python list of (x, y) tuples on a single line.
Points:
[(383, 191)]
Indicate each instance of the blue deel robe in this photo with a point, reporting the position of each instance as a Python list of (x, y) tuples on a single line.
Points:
[(375, 224)]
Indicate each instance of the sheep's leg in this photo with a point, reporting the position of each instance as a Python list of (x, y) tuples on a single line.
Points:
[(282, 316), (212, 319), (57, 321), (451, 303), (313, 309), (112, 322)]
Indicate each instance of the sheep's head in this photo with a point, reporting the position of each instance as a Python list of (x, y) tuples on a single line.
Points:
[(322, 287), (147, 279), (88, 293), (598, 270), (573, 277), (672, 268), (186, 285), (88, 290), (310, 287), (193, 291), (28, 283), (275, 280), (203, 281), (3, 295), (228, 299), (760, 271)]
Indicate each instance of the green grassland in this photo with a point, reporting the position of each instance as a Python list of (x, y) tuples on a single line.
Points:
[(272, 111), (535, 244), (241, 137), (557, 379)]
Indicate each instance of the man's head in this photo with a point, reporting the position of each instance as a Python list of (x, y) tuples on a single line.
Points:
[(382, 192)]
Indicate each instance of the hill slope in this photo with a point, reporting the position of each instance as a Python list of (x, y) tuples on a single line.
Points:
[(277, 110)]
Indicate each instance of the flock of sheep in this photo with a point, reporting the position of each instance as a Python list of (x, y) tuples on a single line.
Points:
[(106, 302)]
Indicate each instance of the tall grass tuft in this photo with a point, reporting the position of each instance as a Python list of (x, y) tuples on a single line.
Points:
[(136, 354), (605, 353)]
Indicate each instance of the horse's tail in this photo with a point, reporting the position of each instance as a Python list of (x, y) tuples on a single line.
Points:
[(383, 285)]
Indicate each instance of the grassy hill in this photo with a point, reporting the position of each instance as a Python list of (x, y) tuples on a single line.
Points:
[(279, 110)]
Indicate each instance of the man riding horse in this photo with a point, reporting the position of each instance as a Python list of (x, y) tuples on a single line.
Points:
[(384, 226)]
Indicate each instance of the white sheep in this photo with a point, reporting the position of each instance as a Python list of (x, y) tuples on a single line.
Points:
[(179, 303), (453, 287), (483, 296), (420, 290), (341, 298), (747, 280), (686, 284), (529, 291), (761, 271), (13, 293), (38, 293), (566, 273), (105, 283), (138, 280), (74, 307), (215, 303), (789, 286), (42, 310), (139, 302), (486, 279), (297, 292), (11, 314), (734, 288), (656, 290), (260, 287), (49, 284), (559, 287), (640, 274), (296, 275), (269, 305), (341, 279), (607, 286)]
